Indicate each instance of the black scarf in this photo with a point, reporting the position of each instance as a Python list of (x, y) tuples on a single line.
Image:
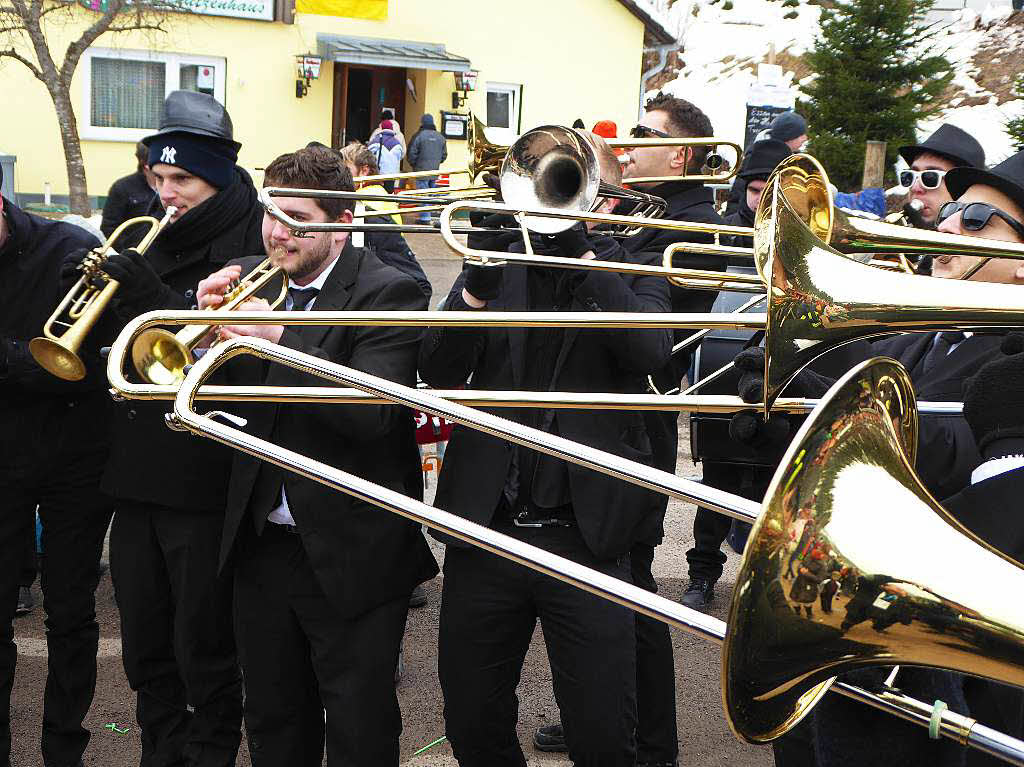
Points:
[(212, 219)]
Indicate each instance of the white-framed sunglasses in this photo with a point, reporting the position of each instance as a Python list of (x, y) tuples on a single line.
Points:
[(930, 179)]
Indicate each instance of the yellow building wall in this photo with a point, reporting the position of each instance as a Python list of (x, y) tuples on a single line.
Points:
[(574, 58)]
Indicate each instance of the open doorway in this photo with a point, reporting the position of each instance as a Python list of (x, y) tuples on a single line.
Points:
[(360, 93), (357, 112)]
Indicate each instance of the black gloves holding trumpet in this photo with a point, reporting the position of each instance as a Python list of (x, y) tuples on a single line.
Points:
[(141, 288)]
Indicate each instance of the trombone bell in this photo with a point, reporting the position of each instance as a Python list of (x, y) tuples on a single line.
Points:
[(849, 508)]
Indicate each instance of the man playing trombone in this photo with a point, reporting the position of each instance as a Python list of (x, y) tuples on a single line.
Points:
[(990, 205), (489, 606), (322, 582)]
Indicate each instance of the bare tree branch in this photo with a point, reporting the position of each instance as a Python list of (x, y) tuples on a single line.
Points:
[(13, 54)]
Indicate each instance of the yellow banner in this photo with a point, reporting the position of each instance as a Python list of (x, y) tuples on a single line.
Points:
[(373, 10)]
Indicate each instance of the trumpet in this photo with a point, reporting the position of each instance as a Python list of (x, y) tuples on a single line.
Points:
[(161, 357), (770, 681), (85, 302)]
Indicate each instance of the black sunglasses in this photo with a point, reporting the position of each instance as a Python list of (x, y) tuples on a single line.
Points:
[(976, 215), (642, 131), (930, 179)]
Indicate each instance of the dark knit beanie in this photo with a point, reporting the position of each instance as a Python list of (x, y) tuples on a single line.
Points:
[(994, 402), (209, 158), (787, 126)]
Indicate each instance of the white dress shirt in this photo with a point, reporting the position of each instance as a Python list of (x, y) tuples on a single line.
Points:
[(282, 515)]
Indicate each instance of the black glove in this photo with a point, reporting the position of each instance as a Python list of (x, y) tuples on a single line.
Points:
[(994, 399), (749, 428), (494, 182), (750, 364), (573, 242), (69, 268), (141, 287), (483, 282)]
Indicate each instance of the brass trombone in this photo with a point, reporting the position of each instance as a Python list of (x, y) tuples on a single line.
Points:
[(57, 353), (161, 357), (770, 681), (488, 156)]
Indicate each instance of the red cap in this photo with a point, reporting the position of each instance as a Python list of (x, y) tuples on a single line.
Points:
[(606, 129)]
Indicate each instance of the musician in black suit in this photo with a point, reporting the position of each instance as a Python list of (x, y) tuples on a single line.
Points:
[(322, 580), (489, 605), (951, 452)]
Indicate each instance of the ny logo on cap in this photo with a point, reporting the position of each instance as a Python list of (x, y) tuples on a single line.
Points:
[(168, 155)]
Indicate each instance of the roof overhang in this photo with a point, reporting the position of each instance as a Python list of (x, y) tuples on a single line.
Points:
[(658, 30), (389, 53)]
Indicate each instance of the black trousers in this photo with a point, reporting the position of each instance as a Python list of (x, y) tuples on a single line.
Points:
[(710, 528), (489, 607), (62, 478), (657, 740), (301, 658), (176, 635)]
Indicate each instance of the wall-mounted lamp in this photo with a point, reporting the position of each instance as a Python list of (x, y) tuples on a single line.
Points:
[(308, 66), (465, 82)]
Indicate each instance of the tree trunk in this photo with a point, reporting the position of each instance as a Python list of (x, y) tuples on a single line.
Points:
[(77, 188)]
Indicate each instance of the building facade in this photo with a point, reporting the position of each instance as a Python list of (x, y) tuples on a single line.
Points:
[(536, 62)]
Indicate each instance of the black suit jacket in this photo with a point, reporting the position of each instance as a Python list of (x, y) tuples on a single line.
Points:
[(946, 453), (363, 555), (993, 510), (611, 514)]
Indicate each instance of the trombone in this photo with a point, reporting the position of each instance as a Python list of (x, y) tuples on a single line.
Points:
[(123, 347), (85, 302), (488, 156), (161, 357), (770, 682)]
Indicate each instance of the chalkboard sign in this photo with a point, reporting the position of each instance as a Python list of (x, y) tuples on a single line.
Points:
[(759, 118), (454, 125)]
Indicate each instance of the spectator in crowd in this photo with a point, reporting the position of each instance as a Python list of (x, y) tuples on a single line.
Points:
[(131, 195), (388, 151), (427, 150), (390, 247), (387, 114), (789, 128)]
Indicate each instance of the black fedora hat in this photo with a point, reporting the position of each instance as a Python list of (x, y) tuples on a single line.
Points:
[(764, 156), (949, 141), (1007, 177)]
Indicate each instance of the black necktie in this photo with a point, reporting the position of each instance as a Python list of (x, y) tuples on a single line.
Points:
[(944, 341), (301, 297)]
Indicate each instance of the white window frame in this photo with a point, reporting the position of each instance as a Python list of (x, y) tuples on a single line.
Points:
[(172, 62), (515, 92)]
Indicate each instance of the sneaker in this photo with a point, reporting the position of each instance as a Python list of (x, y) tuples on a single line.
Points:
[(699, 594), (418, 598), (550, 739), (25, 601)]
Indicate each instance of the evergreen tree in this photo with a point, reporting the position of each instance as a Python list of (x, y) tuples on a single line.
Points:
[(1015, 127), (876, 80)]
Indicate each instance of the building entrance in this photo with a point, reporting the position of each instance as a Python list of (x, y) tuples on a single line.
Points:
[(360, 93)]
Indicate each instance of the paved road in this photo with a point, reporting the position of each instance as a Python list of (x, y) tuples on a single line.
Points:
[(705, 739)]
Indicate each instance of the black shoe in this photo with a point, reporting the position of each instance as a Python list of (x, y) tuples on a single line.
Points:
[(418, 598), (699, 594), (550, 739), (25, 601)]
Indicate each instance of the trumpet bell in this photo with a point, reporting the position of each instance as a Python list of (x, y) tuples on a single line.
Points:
[(160, 357), (56, 358), (849, 513)]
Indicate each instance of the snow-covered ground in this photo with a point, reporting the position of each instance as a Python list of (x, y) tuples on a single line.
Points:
[(721, 48)]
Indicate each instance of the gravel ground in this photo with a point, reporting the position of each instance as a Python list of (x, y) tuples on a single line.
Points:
[(704, 735)]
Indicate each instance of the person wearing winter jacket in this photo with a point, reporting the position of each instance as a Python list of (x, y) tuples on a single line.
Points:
[(427, 150), (388, 151)]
